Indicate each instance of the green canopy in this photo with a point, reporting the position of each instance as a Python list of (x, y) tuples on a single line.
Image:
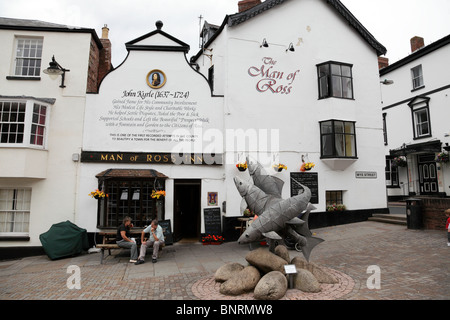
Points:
[(64, 239)]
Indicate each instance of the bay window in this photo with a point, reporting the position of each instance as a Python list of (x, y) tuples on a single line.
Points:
[(338, 139), (23, 123)]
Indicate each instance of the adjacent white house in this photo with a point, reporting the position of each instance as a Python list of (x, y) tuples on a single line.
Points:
[(41, 124), (416, 121)]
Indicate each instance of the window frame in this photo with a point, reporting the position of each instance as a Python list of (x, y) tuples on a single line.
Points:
[(34, 124), (110, 211), (415, 78), (389, 172), (327, 79), (420, 105), (333, 135), (37, 60), (14, 210)]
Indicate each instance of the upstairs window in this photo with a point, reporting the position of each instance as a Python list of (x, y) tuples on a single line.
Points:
[(417, 77), (335, 80), (28, 57), (338, 139), (420, 117), (23, 123)]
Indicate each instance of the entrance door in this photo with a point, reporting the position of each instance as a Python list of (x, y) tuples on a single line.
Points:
[(428, 182), (187, 209)]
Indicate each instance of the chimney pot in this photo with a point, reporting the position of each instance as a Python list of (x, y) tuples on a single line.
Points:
[(247, 4), (105, 32), (383, 62), (417, 43)]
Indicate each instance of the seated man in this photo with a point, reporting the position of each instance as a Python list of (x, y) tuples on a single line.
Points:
[(156, 240), (124, 240)]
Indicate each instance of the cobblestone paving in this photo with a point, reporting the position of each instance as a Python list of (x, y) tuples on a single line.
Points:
[(413, 264)]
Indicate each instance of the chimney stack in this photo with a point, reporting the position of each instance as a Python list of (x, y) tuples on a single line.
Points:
[(247, 4), (383, 62), (417, 43), (104, 65)]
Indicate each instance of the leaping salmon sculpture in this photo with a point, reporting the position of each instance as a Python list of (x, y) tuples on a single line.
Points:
[(277, 217)]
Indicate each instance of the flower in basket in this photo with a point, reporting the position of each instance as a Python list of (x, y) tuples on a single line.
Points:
[(97, 194), (248, 213), (242, 166), (278, 167), (399, 161), (306, 166), (158, 194), (442, 157), (335, 207)]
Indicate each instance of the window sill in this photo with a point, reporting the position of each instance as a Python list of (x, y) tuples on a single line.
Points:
[(339, 164), (14, 237), (23, 78), (418, 88)]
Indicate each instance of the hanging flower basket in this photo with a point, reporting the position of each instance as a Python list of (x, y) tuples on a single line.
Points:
[(306, 166), (158, 194), (279, 167), (399, 162), (242, 166), (97, 194), (442, 157)]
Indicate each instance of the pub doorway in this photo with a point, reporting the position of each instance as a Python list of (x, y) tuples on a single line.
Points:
[(187, 209)]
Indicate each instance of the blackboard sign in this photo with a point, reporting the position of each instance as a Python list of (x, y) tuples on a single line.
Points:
[(167, 231), (213, 224), (309, 179)]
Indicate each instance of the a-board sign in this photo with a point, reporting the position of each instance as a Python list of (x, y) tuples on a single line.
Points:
[(309, 179), (167, 231), (213, 225)]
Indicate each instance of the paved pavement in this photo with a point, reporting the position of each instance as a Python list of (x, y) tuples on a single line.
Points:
[(412, 264)]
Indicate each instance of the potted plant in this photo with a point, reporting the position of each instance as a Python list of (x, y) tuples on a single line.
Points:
[(279, 167), (212, 239), (306, 166), (97, 194), (335, 207), (242, 166), (157, 194), (442, 157), (399, 161)]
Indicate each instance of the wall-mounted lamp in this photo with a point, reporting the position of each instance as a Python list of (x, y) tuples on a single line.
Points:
[(54, 70), (264, 44), (387, 82), (291, 48)]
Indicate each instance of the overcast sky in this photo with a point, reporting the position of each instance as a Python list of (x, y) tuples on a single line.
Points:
[(392, 22)]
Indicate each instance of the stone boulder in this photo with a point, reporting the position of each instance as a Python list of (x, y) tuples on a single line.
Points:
[(306, 282), (282, 252), (241, 282), (272, 286), (226, 271), (321, 275), (265, 260)]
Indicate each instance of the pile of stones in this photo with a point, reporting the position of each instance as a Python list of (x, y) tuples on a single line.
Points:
[(266, 276)]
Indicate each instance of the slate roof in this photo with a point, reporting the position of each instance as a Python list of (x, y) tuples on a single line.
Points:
[(241, 17), (37, 25)]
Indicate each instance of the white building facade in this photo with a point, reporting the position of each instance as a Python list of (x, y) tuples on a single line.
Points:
[(162, 123), (41, 125), (416, 120)]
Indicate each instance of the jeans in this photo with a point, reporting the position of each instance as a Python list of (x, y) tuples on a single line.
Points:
[(129, 245)]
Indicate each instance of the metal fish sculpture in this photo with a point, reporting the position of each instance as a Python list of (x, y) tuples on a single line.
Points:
[(278, 218), (274, 218)]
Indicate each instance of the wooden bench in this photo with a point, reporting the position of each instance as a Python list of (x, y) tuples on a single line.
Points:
[(109, 242), (106, 246)]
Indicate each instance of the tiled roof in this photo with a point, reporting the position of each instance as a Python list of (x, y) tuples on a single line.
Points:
[(131, 173)]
